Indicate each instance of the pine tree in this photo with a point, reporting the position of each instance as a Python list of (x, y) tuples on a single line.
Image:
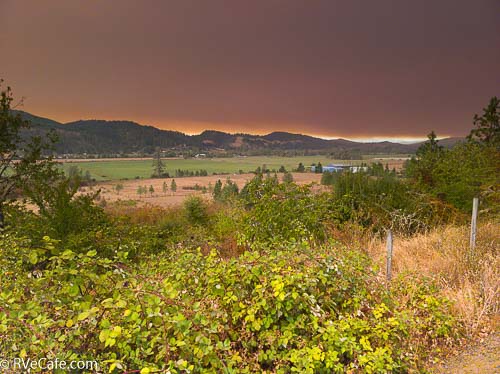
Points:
[(158, 165), (319, 168), (217, 190), (487, 126)]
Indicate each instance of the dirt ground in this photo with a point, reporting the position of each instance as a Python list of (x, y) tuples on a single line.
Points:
[(480, 358), (130, 187)]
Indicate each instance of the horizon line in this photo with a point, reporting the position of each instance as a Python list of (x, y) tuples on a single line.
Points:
[(361, 139)]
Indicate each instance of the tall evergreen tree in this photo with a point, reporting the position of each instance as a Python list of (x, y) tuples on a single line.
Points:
[(487, 126), (217, 190), (158, 165)]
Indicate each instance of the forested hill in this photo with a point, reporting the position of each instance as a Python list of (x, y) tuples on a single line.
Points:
[(126, 137)]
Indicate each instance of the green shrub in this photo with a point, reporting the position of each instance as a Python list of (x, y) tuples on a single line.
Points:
[(196, 210), (283, 213), (301, 310), (387, 202)]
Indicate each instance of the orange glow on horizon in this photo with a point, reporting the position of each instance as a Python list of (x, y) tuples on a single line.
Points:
[(197, 127)]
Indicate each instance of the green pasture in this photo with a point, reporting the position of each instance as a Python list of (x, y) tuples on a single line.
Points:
[(130, 169)]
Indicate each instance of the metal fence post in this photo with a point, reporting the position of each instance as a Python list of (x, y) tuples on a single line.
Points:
[(389, 255), (473, 224)]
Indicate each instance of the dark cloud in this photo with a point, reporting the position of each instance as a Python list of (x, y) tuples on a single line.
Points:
[(332, 68)]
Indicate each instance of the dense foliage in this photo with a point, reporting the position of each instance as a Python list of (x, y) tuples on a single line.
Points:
[(297, 310), (470, 169), (379, 199), (21, 159)]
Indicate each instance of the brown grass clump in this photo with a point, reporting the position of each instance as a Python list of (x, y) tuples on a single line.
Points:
[(143, 214), (469, 278)]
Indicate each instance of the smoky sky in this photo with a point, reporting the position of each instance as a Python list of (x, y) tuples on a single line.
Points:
[(330, 68)]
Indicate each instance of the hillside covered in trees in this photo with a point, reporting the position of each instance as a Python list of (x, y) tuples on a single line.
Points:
[(100, 137)]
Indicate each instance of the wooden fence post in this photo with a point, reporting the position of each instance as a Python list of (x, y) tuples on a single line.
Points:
[(473, 224), (389, 255)]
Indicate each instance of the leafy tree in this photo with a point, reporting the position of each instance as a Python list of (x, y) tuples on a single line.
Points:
[(60, 209), (140, 191), (301, 168), (319, 168), (173, 186), (20, 159), (282, 169)]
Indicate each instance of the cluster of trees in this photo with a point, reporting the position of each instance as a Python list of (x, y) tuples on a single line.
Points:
[(451, 176), (469, 169), (190, 173), (225, 192), (143, 190)]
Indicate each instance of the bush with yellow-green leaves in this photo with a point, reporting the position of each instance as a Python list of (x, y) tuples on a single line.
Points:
[(298, 309)]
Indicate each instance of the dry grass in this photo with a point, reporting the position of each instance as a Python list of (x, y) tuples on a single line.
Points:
[(170, 199), (469, 278)]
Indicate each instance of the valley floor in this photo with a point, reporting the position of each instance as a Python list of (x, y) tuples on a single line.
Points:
[(184, 185)]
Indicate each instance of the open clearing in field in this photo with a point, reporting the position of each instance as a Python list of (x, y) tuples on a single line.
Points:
[(170, 198), (117, 169)]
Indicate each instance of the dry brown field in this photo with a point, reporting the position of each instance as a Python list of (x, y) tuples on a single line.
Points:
[(158, 198)]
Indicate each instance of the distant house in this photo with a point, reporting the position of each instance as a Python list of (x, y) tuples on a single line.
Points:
[(329, 168), (332, 168), (198, 155)]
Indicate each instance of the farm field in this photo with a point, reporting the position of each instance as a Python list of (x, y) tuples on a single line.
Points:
[(158, 198), (142, 168)]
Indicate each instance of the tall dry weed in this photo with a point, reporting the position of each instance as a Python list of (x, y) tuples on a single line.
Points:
[(468, 277)]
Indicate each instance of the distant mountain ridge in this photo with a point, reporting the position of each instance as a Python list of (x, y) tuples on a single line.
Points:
[(127, 137)]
